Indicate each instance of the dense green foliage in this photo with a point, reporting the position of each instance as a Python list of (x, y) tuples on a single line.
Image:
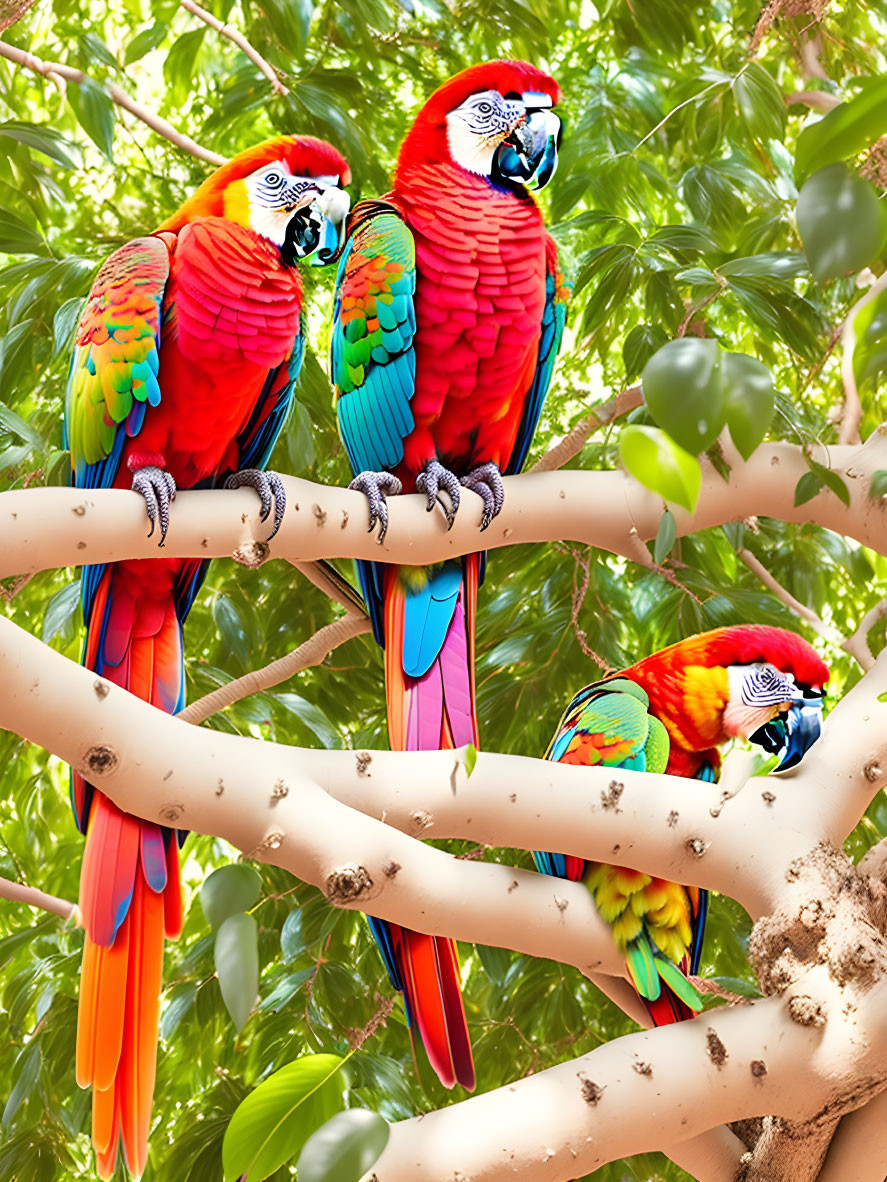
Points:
[(674, 211)]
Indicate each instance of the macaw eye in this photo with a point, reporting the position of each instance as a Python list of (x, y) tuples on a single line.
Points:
[(274, 180), (485, 108)]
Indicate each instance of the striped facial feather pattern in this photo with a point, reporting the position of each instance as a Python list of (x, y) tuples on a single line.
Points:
[(763, 685), (477, 127), (296, 212)]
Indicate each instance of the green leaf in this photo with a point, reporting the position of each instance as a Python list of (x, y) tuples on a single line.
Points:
[(749, 398), (682, 388), (29, 1062), (17, 237), (807, 488), (180, 63), (175, 1011), (291, 941), (43, 139), (236, 955), (841, 222), (228, 890), (21, 427), (658, 463), (833, 481), (64, 323), (640, 345), (94, 109), (738, 986), (844, 131), (665, 536), (273, 1123), (230, 625), (144, 42), (314, 718), (760, 103), (470, 759), (344, 1148), (878, 486), (60, 610)]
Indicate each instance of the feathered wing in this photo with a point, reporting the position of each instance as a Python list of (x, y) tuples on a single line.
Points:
[(657, 924), (129, 890), (424, 627)]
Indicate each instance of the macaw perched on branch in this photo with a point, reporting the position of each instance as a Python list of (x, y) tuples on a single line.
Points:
[(449, 314), (183, 372), (670, 713)]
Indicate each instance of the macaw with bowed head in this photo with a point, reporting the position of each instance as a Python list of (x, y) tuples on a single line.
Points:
[(669, 713), (184, 365), (449, 314)]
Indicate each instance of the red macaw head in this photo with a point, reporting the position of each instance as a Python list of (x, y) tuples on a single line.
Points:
[(288, 190), (751, 682), (494, 120)]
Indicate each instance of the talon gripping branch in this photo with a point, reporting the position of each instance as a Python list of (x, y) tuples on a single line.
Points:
[(182, 375), (449, 313)]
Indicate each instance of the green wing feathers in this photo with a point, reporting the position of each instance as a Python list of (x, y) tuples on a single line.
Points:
[(116, 356)]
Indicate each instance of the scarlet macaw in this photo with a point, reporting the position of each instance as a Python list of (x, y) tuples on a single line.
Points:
[(669, 713), (183, 371), (449, 314)]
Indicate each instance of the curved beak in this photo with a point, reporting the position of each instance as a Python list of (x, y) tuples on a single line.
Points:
[(528, 154), (791, 737), (332, 205)]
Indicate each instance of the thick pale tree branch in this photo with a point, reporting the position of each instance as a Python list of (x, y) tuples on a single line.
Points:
[(857, 645), (51, 527), (17, 892), (312, 652), (61, 74), (239, 40)]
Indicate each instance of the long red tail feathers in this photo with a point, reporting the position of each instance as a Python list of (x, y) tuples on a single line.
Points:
[(130, 897), (435, 711)]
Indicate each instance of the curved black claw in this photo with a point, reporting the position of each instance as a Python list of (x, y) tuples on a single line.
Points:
[(434, 478), (375, 486), (158, 488), (270, 488), (486, 481)]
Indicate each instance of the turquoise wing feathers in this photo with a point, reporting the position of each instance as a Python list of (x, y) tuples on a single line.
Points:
[(372, 357)]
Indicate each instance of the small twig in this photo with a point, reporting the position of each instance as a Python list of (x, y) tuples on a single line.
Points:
[(238, 38), (714, 989), (60, 74), (641, 555), (12, 11), (579, 592), (310, 653), (851, 415), (857, 645), (573, 443), (757, 568), (18, 893), (357, 1037), (818, 100)]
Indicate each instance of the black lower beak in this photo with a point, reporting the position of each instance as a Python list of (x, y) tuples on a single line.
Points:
[(302, 235), (792, 737)]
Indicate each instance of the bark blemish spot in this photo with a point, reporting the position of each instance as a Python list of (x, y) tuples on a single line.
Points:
[(513, 798), (319, 514), (101, 761), (347, 884), (872, 772), (279, 791), (643, 1068), (390, 871), (611, 796), (221, 787), (421, 820), (768, 797), (672, 818), (364, 759), (344, 519), (171, 813), (589, 1090), (714, 1048), (102, 689), (697, 847), (204, 543), (515, 884), (168, 774), (758, 1068), (252, 554), (79, 510), (81, 545), (806, 1011), (561, 904), (617, 847)]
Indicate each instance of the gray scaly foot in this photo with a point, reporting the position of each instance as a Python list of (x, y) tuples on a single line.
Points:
[(486, 481), (269, 486), (435, 478), (375, 486), (159, 489)]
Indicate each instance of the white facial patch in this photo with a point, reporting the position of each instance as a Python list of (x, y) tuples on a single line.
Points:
[(274, 194), (477, 127), (755, 693)]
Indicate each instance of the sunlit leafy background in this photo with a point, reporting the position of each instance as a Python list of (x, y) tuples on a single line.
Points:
[(673, 209)]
